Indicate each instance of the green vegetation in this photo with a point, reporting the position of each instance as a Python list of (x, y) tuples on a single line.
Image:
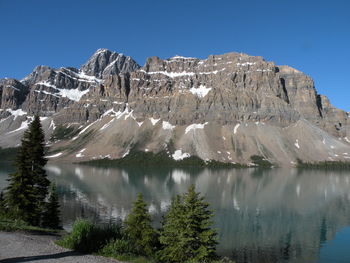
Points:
[(139, 230), (185, 236), (51, 213), (331, 165), (2, 204), (10, 224), (160, 159), (260, 161), (8, 155), (25, 197), (88, 237), (63, 133)]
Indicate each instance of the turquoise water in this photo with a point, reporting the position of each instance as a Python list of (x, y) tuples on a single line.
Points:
[(278, 215)]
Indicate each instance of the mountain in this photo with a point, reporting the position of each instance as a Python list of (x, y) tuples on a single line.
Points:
[(226, 107)]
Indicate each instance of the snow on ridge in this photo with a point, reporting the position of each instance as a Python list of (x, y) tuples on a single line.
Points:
[(236, 128), (201, 91), (180, 74), (24, 125), (12, 87), (46, 83), (99, 51), (83, 130), (167, 126), (53, 125), (72, 94), (107, 124), (54, 155), (195, 126), (81, 76), (246, 64), (80, 154), (181, 57), (297, 144), (154, 121), (126, 153), (178, 155), (170, 74), (119, 114), (47, 93), (114, 61), (16, 113)]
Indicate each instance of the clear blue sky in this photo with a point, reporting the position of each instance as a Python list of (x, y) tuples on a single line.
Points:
[(310, 35)]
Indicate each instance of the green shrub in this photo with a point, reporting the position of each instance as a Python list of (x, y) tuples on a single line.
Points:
[(117, 247), (88, 237)]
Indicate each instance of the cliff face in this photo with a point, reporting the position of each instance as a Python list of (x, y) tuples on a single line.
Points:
[(226, 107)]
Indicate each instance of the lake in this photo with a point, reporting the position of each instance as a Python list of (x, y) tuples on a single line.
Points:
[(276, 215)]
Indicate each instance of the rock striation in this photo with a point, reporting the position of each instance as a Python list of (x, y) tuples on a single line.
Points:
[(226, 107)]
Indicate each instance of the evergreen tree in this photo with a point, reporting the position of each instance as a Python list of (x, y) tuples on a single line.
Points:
[(28, 186), (171, 233), (186, 234), (38, 160), (200, 238), (139, 229), (51, 214), (2, 203)]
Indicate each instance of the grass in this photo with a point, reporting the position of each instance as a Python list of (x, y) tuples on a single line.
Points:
[(122, 249), (160, 159), (327, 165), (88, 237), (11, 225)]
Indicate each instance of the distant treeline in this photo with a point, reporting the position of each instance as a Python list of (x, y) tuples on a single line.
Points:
[(162, 159), (331, 165)]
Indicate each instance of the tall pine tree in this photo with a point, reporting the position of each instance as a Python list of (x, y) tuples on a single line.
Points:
[(38, 160), (170, 237), (187, 234), (51, 214), (28, 185), (139, 229), (2, 204)]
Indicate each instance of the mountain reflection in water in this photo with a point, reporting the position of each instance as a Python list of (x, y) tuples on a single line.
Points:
[(277, 215)]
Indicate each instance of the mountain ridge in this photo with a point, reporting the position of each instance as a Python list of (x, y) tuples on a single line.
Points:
[(224, 108)]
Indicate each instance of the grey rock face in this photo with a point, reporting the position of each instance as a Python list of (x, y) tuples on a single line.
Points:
[(277, 107), (105, 62), (12, 93)]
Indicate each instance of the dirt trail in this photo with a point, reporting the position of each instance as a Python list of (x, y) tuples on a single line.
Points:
[(24, 247)]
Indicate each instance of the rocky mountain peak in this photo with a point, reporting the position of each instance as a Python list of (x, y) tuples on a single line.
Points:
[(12, 93), (225, 107), (105, 62)]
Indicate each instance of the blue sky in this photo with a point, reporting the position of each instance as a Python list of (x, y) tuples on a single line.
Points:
[(311, 35)]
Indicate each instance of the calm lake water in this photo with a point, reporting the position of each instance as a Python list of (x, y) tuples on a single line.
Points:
[(278, 215)]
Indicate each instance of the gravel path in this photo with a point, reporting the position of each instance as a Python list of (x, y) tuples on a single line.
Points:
[(23, 247)]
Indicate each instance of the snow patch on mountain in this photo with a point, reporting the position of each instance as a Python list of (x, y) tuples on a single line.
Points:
[(201, 91), (194, 127), (179, 155)]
